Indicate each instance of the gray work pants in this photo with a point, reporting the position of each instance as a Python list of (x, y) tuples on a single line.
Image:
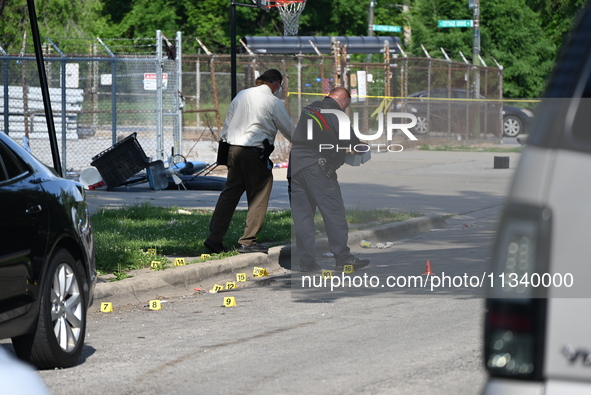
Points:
[(311, 189)]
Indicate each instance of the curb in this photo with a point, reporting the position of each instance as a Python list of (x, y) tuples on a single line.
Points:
[(146, 280)]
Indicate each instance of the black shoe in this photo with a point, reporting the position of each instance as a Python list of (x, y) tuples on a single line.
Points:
[(256, 247), (216, 248), (352, 260), (310, 267)]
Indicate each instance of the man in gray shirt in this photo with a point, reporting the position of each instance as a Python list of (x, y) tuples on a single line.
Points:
[(252, 121)]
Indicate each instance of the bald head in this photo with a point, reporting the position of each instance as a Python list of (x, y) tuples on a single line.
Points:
[(341, 96)]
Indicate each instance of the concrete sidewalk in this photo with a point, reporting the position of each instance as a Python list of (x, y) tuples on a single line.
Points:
[(436, 184)]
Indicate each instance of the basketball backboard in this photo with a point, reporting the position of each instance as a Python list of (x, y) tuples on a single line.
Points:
[(261, 3)]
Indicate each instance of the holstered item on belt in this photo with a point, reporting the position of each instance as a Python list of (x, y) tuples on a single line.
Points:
[(223, 150), (327, 167), (266, 153)]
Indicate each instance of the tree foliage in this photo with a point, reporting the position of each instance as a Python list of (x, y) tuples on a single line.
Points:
[(522, 35)]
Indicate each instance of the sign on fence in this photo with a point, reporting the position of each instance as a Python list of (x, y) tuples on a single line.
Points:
[(150, 81)]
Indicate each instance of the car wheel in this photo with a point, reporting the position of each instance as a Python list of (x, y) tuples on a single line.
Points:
[(512, 126), (59, 336), (422, 127)]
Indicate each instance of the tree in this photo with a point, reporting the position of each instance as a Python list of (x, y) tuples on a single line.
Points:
[(511, 33), (56, 18)]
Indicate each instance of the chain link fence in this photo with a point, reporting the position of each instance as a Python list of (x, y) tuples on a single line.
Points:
[(105, 90), (97, 98)]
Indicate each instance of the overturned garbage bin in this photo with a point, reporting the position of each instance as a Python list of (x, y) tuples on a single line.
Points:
[(121, 161)]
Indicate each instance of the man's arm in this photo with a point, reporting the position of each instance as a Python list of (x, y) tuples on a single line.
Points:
[(282, 120)]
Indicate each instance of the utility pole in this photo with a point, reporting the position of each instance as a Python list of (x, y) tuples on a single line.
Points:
[(372, 5), (475, 6)]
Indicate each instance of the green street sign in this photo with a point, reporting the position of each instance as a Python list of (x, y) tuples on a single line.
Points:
[(387, 28), (457, 23)]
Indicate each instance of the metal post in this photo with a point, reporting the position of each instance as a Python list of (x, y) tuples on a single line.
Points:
[(179, 64), (44, 88), (299, 84), (233, 48), (198, 90), (233, 5), (63, 106), (475, 5), (159, 105), (370, 14), (113, 92), (5, 102)]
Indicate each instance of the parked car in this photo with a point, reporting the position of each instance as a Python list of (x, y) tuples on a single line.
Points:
[(47, 264), (536, 325), (515, 119)]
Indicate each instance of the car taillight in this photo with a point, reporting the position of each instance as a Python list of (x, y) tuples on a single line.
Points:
[(516, 312)]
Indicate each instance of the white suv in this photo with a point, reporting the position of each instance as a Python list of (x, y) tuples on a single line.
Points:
[(537, 335)]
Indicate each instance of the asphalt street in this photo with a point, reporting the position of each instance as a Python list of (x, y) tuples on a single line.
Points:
[(437, 184), (286, 337)]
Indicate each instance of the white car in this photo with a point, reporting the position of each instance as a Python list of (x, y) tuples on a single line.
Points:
[(537, 337)]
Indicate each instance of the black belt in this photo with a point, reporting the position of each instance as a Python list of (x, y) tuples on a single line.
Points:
[(258, 150)]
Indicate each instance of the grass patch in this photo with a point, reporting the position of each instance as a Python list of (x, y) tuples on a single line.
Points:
[(125, 237), (461, 148)]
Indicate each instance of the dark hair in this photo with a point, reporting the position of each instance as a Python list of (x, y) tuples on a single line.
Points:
[(270, 76)]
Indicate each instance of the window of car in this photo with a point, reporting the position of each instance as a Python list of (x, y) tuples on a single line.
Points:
[(439, 93), (11, 166)]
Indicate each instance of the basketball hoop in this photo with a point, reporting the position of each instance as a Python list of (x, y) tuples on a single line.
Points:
[(290, 11)]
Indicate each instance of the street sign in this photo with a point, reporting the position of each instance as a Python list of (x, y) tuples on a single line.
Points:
[(387, 28), (457, 23)]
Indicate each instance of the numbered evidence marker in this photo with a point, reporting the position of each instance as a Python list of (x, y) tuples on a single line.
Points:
[(241, 277), (205, 256), (155, 305), (155, 265), (348, 269), (229, 301), (231, 285), (179, 262), (326, 273), (151, 251), (259, 272), (106, 307), (216, 288)]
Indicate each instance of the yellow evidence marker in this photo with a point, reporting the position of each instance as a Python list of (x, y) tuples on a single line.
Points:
[(151, 251), (348, 269), (229, 301), (155, 264), (205, 256), (231, 285), (179, 262), (106, 307), (155, 305), (241, 277), (216, 288), (259, 272), (326, 273)]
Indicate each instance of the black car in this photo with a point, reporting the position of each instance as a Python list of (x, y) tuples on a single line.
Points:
[(515, 119), (47, 266)]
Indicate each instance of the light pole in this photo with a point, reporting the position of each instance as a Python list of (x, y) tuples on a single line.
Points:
[(475, 6), (372, 4), (233, 4)]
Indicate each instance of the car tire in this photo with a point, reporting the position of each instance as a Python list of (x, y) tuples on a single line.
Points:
[(422, 126), (512, 126), (58, 339)]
